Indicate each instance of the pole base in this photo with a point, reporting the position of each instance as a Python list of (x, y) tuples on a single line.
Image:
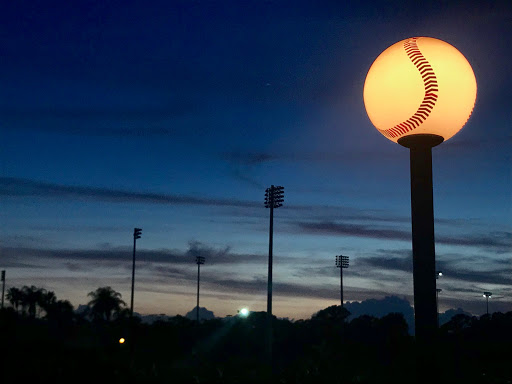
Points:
[(420, 140)]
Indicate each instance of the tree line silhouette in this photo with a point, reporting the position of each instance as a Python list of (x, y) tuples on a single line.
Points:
[(32, 301), (45, 339)]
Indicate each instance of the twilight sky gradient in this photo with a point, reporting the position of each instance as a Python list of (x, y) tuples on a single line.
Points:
[(174, 116)]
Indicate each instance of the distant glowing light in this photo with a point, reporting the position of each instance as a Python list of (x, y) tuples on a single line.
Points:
[(244, 312), (121, 340), (419, 85)]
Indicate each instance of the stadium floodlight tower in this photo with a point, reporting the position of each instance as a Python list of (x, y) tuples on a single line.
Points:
[(418, 93), (274, 198), (199, 261), (341, 262), (137, 233), (487, 296)]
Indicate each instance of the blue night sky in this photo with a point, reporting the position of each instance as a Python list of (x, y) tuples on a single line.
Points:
[(175, 116)]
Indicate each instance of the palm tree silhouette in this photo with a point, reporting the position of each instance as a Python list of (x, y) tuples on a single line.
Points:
[(15, 297), (32, 298), (47, 300), (105, 303)]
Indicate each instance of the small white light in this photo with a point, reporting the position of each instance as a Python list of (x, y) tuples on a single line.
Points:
[(244, 312)]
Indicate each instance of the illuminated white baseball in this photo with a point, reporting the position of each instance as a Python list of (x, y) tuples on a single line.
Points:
[(419, 85)]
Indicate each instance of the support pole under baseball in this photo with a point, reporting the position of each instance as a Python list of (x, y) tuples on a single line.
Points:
[(423, 248)]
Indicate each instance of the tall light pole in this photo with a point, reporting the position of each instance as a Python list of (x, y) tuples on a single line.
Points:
[(137, 232), (438, 275), (3, 287), (487, 296), (341, 262), (437, 304), (418, 93), (274, 198), (199, 261)]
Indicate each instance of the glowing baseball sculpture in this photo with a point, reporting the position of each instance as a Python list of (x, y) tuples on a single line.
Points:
[(419, 85), (418, 93)]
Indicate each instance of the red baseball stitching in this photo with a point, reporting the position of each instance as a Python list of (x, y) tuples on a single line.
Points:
[(430, 98)]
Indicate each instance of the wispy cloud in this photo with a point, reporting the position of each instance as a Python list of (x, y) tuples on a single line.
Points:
[(302, 219), (158, 266), (244, 175), (222, 256), (259, 158), (456, 269), (459, 276), (16, 187), (497, 241), (112, 121), (369, 276), (330, 228), (248, 158), (21, 188), (500, 277), (390, 263)]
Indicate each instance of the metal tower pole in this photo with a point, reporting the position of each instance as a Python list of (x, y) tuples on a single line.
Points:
[(136, 235)]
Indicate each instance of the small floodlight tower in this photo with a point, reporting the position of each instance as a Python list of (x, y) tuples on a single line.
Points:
[(341, 262), (137, 233), (199, 261), (487, 296)]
